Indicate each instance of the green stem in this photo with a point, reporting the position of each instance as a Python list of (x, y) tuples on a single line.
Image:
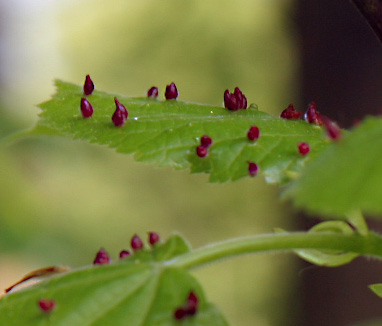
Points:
[(370, 245)]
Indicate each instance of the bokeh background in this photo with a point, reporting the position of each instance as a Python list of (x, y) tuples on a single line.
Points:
[(61, 200)]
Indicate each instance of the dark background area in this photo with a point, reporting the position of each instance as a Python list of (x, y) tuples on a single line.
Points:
[(341, 70)]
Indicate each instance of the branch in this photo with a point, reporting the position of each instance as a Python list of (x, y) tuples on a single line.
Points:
[(372, 11), (370, 245)]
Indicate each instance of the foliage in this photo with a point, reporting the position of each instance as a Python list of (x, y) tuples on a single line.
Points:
[(168, 132), (139, 288), (349, 171), (148, 287)]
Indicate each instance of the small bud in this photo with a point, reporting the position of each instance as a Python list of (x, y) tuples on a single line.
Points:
[(201, 151), (332, 130), (86, 108), (171, 92), (136, 242), (303, 148), (124, 254), (153, 238), (88, 85), (152, 92), (46, 305), (312, 115), (290, 113), (205, 141), (253, 133), (235, 101), (102, 257), (252, 169)]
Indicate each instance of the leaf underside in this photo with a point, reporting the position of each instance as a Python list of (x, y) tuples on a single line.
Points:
[(346, 177), (136, 291), (167, 133)]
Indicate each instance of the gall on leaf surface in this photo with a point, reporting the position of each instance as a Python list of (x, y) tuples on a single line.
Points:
[(140, 290), (346, 177), (167, 133)]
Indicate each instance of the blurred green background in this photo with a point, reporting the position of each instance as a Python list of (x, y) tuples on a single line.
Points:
[(61, 200)]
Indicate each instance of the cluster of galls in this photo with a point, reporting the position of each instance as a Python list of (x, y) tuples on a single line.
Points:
[(233, 102), (189, 309), (313, 117), (102, 258), (205, 143), (120, 114), (253, 134), (118, 118), (136, 243)]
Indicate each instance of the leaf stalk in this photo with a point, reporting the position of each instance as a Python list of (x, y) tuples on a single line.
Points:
[(367, 245)]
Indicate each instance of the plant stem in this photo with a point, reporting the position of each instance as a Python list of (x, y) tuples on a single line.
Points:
[(372, 11), (370, 245)]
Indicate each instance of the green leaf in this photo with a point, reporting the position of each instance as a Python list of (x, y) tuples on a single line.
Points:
[(346, 177), (327, 258), (167, 133), (137, 291), (377, 289)]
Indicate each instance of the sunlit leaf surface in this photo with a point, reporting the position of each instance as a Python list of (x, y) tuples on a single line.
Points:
[(140, 290), (168, 132)]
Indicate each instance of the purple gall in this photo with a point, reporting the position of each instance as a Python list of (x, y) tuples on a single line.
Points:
[(312, 115), (201, 151), (88, 86), (332, 130), (46, 305), (235, 101), (120, 114), (290, 113), (124, 254), (171, 92), (152, 92), (205, 141), (86, 108), (253, 133), (180, 313), (153, 238), (303, 148), (253, 169), (102, 257), (136, 243)]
